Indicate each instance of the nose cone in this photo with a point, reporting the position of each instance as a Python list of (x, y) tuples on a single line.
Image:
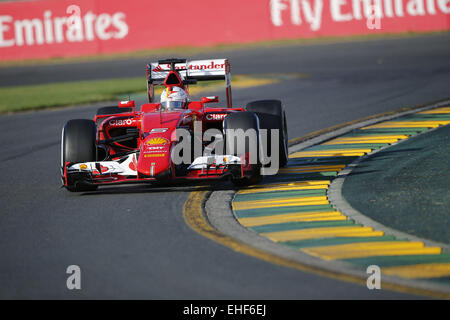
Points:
[(154, 158)]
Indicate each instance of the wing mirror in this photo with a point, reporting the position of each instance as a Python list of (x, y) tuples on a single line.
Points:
[(210, 99), (127, 104)]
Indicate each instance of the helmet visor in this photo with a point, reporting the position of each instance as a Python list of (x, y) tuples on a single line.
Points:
[(171, 105)]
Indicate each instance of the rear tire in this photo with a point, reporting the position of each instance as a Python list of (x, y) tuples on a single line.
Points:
[(78, 145), (272, 115), (244, 121)]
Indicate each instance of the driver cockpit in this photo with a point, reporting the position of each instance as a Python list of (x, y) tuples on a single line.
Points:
[(173, 98)]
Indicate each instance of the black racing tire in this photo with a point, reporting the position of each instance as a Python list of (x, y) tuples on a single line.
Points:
[(78, 144), (244, 121), (110, 110), (272, 115)]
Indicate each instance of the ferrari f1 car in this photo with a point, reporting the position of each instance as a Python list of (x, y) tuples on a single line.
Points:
[(160, 143)]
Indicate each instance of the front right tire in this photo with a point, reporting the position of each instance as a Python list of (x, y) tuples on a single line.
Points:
[(78, 144)]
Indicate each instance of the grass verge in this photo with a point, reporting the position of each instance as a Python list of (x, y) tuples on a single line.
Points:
[(21, 98)]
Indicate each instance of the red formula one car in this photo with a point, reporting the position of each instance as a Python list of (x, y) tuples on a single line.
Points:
[(175, 138)]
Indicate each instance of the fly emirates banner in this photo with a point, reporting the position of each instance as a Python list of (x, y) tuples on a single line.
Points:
[(61, 28)]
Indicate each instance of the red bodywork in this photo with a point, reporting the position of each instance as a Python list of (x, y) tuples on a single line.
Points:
[(155, 131)]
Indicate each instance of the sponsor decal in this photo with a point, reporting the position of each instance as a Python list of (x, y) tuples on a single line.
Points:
[(45, 28), (121, 122), (317, 15), (154, 155), (157, 141), (55, 28), (153, 149), (208, 66), (216, 116)]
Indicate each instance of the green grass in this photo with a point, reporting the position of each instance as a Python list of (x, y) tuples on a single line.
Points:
[(21, 98), (32, 97)]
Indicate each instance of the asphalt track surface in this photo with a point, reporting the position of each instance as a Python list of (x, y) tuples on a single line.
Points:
[(132, 242)]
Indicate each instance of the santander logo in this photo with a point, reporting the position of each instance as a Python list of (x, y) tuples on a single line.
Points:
[(56, 29), (209, 66)]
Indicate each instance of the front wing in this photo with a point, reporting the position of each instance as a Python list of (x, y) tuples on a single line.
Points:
[(124, 170)]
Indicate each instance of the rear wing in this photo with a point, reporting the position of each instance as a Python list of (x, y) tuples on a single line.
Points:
[(191, 71)]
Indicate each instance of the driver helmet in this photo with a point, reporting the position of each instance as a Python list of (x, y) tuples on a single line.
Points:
[(173, 98)]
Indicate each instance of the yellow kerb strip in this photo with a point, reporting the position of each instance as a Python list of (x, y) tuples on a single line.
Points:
[(429, 270), (287, 188), (289, 184), (335, 151), (308, 171), (366, 139), (285, 202), (340, 142), (304, 185), (331, 153), (408, 124), (347, 154), (313, 168), (317, 233), (318, 167), (372, 137), (369, 249), (436, 111), (292, 217)]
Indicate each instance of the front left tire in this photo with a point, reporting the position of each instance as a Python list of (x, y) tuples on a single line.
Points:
[(244, 121), (272, 116)]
